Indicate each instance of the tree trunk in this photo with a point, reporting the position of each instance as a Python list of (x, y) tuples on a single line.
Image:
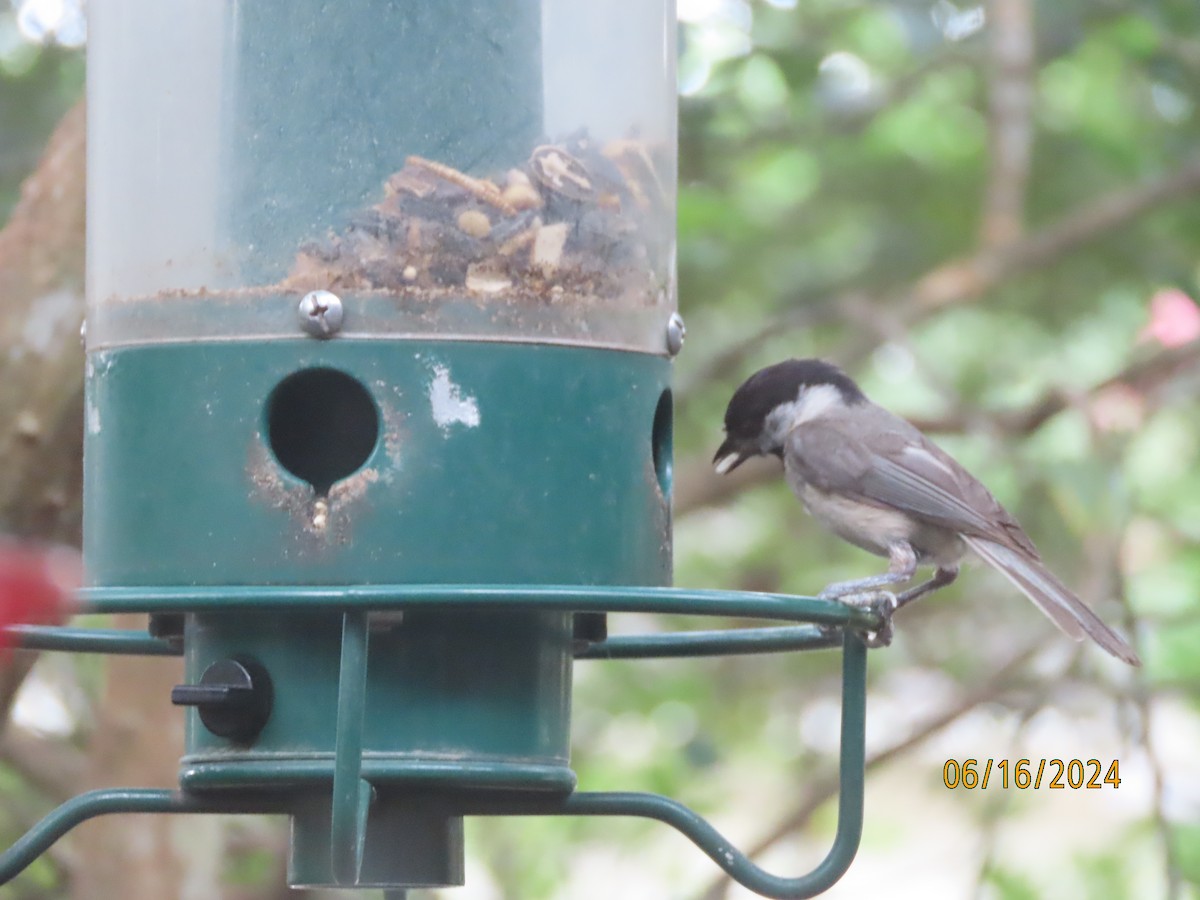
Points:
[(41, 372)]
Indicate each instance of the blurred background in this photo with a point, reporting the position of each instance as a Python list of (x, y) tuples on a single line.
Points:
[(988, 213)]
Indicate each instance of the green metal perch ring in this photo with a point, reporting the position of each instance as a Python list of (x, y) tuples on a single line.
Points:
[(823, 624)]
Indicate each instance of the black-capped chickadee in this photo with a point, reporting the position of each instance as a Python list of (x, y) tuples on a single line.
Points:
[(874, 480)]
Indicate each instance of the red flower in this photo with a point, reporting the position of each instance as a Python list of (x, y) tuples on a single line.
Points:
[(37, 585)]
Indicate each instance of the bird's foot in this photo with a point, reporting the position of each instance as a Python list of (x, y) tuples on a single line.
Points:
[(861, 586), (882, 604)]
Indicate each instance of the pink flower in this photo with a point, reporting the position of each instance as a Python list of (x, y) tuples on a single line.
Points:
[(1174, 319)]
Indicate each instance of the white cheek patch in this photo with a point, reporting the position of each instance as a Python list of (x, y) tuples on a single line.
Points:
[(814, 402), (810, 403), (779, 422)]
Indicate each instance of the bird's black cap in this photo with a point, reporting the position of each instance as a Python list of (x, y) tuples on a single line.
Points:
[(765, 390)]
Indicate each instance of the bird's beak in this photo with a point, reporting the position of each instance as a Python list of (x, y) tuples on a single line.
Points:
[(729, 456)]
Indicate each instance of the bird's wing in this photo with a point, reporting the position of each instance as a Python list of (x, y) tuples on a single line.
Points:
[(898, 467)]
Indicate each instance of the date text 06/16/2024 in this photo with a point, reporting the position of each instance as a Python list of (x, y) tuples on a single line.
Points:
[(1026, 774)]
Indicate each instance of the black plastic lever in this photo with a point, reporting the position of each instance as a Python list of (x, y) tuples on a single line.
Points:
[(234, 699)]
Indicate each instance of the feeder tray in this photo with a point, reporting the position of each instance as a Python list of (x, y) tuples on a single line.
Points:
[(349, 784)]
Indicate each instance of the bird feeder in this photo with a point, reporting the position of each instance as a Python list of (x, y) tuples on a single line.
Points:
[(378, 413)]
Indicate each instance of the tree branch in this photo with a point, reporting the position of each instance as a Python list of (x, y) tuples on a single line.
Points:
[(1010, 129), (963, 280), (1143, 376), (967, 279)]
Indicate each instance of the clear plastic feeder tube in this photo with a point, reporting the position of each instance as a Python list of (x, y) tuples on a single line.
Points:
[(475, 169)]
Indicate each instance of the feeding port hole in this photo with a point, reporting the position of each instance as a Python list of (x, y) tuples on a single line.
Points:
[(661, 440), (322, 426)]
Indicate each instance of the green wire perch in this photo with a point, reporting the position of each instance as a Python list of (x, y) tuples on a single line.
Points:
[(825, 624)]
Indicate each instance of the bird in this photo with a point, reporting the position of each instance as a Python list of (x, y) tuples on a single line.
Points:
[(874, 480)]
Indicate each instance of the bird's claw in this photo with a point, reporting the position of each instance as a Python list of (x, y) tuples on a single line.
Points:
[(882, 604)]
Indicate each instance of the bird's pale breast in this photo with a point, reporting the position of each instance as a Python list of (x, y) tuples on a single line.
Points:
[(875, 529)]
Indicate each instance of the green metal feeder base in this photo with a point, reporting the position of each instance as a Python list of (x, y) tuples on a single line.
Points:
[(478, 701), (359, 821)]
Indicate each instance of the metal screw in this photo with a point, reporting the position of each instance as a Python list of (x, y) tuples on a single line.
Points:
[(676, 332), (320, 313)]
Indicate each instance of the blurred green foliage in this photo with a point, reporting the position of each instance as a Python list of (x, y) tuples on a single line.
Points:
[(37, 85)]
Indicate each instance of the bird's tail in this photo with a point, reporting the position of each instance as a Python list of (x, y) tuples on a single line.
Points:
[(1052, 597)]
